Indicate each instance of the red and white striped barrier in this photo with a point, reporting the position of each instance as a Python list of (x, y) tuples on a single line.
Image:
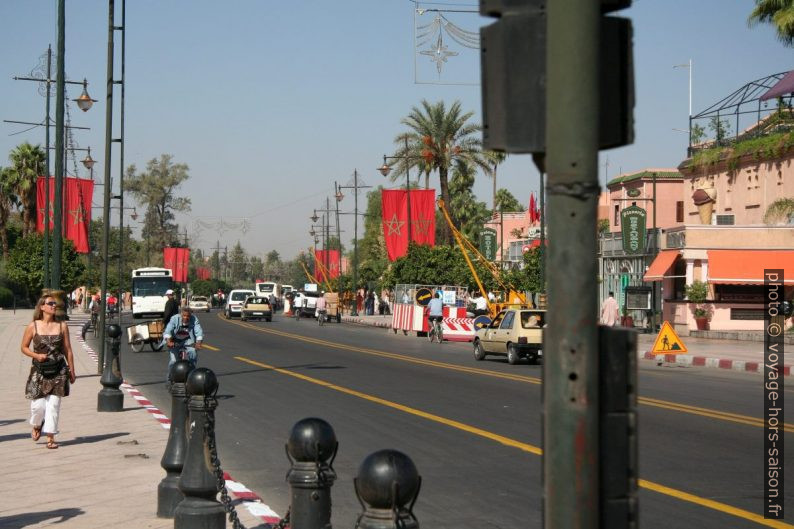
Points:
[(402, 317), (458, 329)]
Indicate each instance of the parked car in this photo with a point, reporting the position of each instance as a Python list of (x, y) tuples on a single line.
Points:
[(517, 333), (256, 307), (305, 303), (199, 303), (235, 300)]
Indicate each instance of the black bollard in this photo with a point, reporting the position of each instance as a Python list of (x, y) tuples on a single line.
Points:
[(387, 486), (168, 493), (200, 509), (311, 450), (110, 397)]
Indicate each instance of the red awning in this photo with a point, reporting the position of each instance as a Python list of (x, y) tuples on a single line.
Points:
[(746, 267), (661, 265)]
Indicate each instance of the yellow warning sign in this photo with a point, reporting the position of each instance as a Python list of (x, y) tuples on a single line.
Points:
[(668, 341)]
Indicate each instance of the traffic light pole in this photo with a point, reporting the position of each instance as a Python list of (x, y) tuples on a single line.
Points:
[(570, 387)]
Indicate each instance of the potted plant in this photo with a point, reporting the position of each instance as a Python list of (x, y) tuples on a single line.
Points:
[(698, 293), (626, 320)]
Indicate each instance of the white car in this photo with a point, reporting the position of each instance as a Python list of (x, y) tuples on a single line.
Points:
[(305, 303), (235, 300), (199, 303)]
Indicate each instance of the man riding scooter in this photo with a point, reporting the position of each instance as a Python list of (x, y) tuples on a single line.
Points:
[(320, 308), (183, 334)]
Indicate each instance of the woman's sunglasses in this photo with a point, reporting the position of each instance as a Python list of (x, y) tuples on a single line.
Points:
[(51, 303)]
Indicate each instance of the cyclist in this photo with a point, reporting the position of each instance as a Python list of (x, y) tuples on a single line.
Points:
[(320, 308), (183, 332), (435, 311)]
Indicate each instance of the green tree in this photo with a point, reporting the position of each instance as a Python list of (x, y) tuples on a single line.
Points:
[(294, 273), (697, 134), (133, 257), (8, 201), (372, 259), (527, 278), (25, 265), (506, 202), (238, 262), (720, 127), (438, 265), (257, 267), (208, 287), (28, 162), (780, 211), (779, 13), (496, 158), (155, 189), (467, 213), (437, 137)]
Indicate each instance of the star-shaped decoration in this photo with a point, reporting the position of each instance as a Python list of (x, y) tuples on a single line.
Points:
[(422, 226), (78, 215), (439, 54), (394, 226)]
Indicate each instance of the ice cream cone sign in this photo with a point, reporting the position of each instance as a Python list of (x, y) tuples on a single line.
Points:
[(704, 198)]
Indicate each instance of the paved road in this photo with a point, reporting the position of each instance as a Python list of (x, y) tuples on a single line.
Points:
[(473, 428)]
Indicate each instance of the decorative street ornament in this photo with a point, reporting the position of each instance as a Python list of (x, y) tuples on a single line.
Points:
[(634, 228), (633, 193), (433, 40)]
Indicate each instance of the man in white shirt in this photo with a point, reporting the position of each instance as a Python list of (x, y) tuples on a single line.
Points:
[(610, 312), (480, 305)]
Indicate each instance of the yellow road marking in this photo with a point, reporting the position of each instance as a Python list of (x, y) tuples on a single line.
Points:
[(525, 447), (211, 348), (658, 403)]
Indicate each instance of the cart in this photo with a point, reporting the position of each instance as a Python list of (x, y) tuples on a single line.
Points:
[(333, 311), (150, 332)]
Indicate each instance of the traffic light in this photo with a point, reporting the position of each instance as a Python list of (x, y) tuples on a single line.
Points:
[(513, 68)]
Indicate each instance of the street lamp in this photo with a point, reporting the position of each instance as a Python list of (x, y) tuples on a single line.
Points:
[(355, 187), (84, 102), (88, 162)]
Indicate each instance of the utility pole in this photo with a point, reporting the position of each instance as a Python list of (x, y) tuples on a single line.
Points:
[(120, 141), (60, 75), (338, 197), (218, 260)]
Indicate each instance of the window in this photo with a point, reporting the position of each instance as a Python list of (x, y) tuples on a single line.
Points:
[(725, 220), (617, 215), (679, 211), (507, 322)]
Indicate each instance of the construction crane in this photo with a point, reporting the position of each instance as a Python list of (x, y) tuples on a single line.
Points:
[(326, 282), (515, 298)]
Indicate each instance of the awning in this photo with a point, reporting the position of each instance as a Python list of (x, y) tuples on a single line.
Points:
[(781, 88), (746, 267), (661, 265)]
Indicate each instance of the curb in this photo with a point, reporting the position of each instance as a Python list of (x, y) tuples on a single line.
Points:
[(360, 321), (706, 361), (237, 490)]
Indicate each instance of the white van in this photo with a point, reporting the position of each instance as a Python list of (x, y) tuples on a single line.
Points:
[(234, 302), (268, 288)]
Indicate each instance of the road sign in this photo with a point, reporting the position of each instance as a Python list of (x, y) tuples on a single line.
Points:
[(668, 341), (481, 321), (423, 296)]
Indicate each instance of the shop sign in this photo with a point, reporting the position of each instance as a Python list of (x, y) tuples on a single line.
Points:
[(488, 243), (633, 227)]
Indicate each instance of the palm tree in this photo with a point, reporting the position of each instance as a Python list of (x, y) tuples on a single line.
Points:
[(437, 137), (496, 159), (780, 211), (8, 201), (27, 163), (779, 13)]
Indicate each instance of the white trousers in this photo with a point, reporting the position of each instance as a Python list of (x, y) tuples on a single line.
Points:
[(46, 409)]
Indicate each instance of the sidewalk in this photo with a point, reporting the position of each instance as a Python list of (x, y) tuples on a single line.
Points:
[(737, 355), (106, 471)]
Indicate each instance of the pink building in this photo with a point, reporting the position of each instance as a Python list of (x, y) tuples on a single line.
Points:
[(637, 189)]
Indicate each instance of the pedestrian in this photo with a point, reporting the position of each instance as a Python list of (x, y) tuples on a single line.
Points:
[(171, 307), (53, 367), (480, 305), (610, 313), (386, 307), (369, 304)]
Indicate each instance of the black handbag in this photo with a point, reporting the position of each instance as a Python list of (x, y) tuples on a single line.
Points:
[(50, 368)]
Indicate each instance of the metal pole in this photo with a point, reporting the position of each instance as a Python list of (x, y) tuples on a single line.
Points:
[(121, 166), (655, 253), (354, 311), (327, 234), (339, 240), (106, 206), (690, 88), (570, 378), (408, 189), (47, 270), (542, 233), (59, 151)]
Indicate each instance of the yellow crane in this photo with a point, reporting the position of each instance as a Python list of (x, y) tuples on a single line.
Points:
[(326, 283), (514, 298)]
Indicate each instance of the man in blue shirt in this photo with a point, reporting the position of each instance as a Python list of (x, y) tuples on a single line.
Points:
[(435, 308), (183, 331)]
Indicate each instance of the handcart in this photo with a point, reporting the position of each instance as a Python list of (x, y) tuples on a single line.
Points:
[(333, 310), (150, 332)]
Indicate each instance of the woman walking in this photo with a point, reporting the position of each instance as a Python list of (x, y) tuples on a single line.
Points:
[(46, 341)]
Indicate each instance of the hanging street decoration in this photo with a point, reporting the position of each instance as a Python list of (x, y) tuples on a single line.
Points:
[(435, 42)]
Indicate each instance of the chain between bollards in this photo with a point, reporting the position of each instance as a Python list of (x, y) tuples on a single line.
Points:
[(168, 493)]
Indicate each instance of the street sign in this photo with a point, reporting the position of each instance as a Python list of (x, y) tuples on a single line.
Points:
[(481, 321), (668, 342), (633, 226), (423, 296), (488, 243)]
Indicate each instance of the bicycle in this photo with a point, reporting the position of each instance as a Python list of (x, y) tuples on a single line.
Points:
[(95, 323), (321, 314), (436, 330)]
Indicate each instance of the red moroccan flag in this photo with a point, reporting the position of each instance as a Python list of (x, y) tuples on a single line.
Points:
[(169, 259), (423, 216), (333, 264), (182, 264), (328, 260), (78, 193), (203, 273), (41, 202), (394, 207)]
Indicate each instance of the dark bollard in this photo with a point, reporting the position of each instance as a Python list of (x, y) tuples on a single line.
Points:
[(110, 397), (200, 509), (311, 450), (387, 486), (168, 493)]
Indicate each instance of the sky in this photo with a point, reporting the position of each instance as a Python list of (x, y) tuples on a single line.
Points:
[(269, 103)]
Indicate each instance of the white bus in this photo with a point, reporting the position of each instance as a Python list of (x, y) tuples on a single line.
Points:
[(266, 288), (148, 291)]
